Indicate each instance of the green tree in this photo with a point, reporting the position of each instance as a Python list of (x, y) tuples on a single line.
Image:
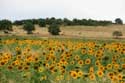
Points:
[(42, 22), (54, 29), (118, 21), (5, 25), (29, 27)]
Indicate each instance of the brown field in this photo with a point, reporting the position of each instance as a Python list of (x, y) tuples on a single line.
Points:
[(74, 31)]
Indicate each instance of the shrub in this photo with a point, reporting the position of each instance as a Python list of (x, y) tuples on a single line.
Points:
[(116, 34)]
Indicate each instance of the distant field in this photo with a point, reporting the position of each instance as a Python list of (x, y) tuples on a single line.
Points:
[(75, 31)]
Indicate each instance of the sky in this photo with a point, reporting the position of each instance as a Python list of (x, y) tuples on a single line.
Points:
[(94, 9)]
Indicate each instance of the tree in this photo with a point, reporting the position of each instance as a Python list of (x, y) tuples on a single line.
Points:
[(29, 27), (118, 21), (54, 29), (116, 34), (17, 22), (67, 22), (6, 25), (42, 22)]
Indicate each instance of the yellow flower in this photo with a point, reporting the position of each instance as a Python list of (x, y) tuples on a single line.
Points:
[(120, 76), (100, 73), (80, 62), (91, 70), (74, 74), (40, 69), (43, 78), (116, 66), (92, 77), (87, 61), (80, 73), (109, 66)]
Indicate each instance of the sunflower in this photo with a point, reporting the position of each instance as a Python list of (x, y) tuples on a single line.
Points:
[(91, 51), (10, 67), (74, 74), (123, 66), (80, 62), (18, 57), (83, 51), (2, 63), (77, 57), (20, 67), (36, 67), (36, 59), (17, 62), (92, 77), (101, 68), (109, 66), (116, 66), (43, 78), (52, 68), (97, 63), (40, 69), (114, 79), (87, 61), (72, 62), (119, 76), (80, 73), (26, 67), (91, 70), (110, 75), (63, 71), (100, 73)]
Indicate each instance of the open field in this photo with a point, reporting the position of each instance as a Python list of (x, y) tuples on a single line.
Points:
[(48, 60), (80, 54), (75, 31)]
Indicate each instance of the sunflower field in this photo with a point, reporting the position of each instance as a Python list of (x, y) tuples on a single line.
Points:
[(61, 61)]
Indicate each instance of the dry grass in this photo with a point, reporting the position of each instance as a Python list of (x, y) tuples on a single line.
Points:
[(75, 31), (91, 31)]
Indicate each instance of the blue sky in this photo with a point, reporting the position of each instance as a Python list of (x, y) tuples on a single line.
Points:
[(95, 9)]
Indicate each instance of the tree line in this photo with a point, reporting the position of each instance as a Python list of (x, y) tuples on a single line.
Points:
[(54, 23)]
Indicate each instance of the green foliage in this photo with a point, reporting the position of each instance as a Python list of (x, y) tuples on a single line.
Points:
[(17, 22), (5, 25), (29, 27), (118, 21), (42, 22), (117, 34), (54, 29)]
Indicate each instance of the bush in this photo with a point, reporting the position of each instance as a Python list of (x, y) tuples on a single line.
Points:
[(29, 27), (54, 29), (116, 34)]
